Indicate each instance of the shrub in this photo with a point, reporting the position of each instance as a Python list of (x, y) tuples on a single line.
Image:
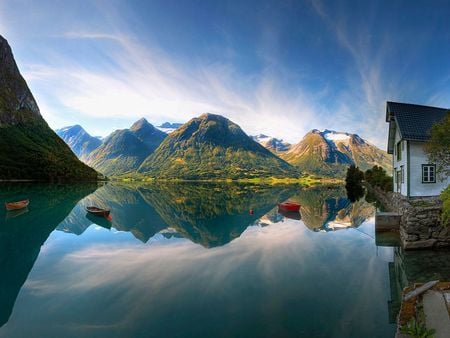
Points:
[(445, 197), (377, 177)]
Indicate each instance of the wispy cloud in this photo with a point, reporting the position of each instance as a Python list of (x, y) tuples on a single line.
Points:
[(146, 82), (361, 106), (104, 66)]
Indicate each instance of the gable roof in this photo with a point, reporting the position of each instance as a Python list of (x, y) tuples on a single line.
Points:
[(414, 121)]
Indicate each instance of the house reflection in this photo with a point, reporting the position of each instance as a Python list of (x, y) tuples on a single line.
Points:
[(409, 267)]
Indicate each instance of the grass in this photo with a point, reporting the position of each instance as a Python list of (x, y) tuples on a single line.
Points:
[(306, 180)]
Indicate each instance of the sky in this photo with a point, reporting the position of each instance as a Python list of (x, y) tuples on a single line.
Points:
[(280, 68)]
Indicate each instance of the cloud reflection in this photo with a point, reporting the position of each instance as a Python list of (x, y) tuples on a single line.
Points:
[(173, 285)]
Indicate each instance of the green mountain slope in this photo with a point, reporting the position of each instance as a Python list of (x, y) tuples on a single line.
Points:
[(329, 153), (29, 149), (124, 150), (210, 147)]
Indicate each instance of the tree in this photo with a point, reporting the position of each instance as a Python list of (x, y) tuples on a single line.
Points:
[(353, 183), (377, 177), (438, 147)]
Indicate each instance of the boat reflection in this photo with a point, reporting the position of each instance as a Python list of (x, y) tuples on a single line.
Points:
[(295, 215), (15, 213), (100, 221)]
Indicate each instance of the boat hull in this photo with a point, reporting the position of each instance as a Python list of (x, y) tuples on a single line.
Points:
[(289, 206), (17, 205), (98, 212)]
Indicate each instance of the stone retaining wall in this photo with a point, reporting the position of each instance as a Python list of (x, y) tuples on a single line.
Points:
[(421, 225)]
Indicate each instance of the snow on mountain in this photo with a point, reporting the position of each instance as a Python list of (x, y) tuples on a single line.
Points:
[(336, 137), (329, 153), (273, 144)]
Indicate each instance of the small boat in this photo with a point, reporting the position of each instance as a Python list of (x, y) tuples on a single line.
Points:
[(97, 211), (17, 205), (289, 206)]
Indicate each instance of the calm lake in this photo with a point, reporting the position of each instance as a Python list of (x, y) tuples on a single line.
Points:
[(199, 260)]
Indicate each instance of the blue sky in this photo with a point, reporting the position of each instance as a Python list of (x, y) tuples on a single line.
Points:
[(275, 67)]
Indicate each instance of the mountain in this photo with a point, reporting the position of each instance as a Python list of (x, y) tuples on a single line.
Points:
[(29, 149), (329, 153), (124, 150), (211, 146), (168, 127), (81, 143), (275, 145), (148, 134)]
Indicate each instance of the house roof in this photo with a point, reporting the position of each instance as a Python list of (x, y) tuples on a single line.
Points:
[(414, 121)]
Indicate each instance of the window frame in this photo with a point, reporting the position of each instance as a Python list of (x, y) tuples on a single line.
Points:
[(428, 166), (399, 151)]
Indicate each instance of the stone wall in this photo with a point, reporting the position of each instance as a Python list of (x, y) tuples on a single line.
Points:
[(421, 225)]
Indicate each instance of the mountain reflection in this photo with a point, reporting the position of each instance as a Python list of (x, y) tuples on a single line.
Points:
[(328, 209), (21, 237), (208, 214), (213, 214)]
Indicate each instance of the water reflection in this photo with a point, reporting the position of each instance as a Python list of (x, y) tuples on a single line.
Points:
[(327, 209), (22, 236), (210, 215), (409, 267), (213, 215), (261, 267)]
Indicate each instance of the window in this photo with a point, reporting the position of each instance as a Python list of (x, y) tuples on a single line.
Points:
[(402, 173), (428, 173), (399, 180), (399, 151)]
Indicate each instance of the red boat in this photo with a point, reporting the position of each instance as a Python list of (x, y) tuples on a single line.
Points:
[(98, 212), (17, 205), (289, 206)]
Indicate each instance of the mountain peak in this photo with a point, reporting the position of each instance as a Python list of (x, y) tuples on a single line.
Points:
[(207, 117), (28, 147), (73, 129), (78, 139), (212, 146), (141, 123), (275, 145), (330, 152), (18, 104)]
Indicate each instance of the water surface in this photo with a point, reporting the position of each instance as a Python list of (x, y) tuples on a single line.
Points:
[(186, 260)]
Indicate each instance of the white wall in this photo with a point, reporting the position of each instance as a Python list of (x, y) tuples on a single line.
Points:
[(396, 165), (417, 188)]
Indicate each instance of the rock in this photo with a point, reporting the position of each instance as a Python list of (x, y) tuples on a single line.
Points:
[(421, 244)]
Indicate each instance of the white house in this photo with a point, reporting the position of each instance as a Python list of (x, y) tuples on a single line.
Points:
[(409, 129)]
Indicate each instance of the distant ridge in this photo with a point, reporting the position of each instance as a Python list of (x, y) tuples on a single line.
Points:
[(169, 127), (275, 145)]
